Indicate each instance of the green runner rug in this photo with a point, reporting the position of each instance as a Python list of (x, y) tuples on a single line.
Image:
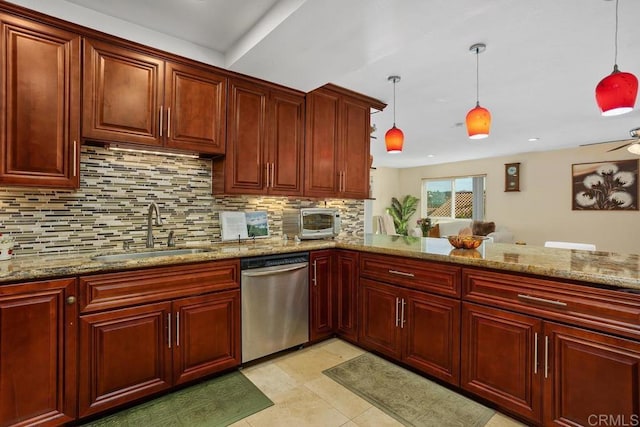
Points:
[(409, 398), (217, 402)]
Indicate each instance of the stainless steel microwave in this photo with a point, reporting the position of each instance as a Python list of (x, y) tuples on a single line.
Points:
[(311, 223)]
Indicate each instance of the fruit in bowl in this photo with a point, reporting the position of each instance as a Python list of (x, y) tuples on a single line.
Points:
[(465, 241)]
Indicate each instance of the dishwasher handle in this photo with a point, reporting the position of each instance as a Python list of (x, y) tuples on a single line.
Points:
[(269, 271)]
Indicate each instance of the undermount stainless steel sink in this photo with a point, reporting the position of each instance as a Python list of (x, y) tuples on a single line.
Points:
[(150, 254)]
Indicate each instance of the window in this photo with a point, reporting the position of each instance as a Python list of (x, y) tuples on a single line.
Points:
[(458, 197)]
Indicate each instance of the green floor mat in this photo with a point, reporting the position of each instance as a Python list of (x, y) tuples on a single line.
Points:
[(217, 402), (409, 398)]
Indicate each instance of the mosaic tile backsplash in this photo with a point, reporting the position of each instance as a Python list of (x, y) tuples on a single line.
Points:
[(112, 202)]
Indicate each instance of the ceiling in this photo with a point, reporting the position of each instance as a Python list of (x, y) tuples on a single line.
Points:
[(537, 75)]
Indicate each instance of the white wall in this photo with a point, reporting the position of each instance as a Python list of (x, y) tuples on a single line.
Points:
[(385, 184), (542, 209)]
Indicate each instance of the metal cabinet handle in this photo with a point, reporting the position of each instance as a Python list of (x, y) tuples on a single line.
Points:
[(397, 319), (169, 328), (266, 174), (546, 356), (273, 176), (542, 300), (161, 120), (75, 157), (291, 267), (402, 314), (71, 300), (401, 273), (168, 122), (178, 329), (315, 273), (535, 353)]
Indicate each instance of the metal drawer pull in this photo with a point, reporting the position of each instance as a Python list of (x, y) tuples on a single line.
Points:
[(535, 353), (543, 300), (401, 273), (546, 356), (397, 319), (169, 328), (177, 329)]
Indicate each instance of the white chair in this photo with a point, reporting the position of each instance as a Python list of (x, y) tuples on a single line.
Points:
[(385, 225), (570, 245)]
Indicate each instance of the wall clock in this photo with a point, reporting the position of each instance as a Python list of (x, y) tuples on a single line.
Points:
[(512, 177)]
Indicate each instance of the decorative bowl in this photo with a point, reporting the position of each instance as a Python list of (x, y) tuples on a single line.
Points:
[(465, 241)]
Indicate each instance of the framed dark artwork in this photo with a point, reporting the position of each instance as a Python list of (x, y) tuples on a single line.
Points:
[(512, 177), (611, 186)]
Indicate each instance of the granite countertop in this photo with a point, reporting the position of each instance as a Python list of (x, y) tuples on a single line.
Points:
[(605, 268)]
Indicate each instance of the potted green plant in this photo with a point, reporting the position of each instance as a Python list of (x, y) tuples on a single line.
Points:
[(402, 211)]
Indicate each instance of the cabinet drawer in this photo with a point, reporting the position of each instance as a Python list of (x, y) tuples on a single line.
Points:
[(114, 290), (416, 274), (606, 310)]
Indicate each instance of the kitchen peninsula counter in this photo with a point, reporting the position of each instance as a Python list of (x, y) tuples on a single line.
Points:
[(600, 268)]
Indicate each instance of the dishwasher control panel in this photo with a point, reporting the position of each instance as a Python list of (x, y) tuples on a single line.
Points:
[(271, 260)]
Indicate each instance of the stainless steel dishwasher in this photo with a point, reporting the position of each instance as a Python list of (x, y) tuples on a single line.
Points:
[(275, 303)]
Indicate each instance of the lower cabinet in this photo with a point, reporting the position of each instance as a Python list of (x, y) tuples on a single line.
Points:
[(38, 338), (549, 373), (500, 358), (144, 348), (589, 377), (417, 328), (321, 295), (346, 291)]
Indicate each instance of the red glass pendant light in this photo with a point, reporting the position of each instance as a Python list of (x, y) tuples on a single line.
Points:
[(394, 138), (616, 93), (479, 118)]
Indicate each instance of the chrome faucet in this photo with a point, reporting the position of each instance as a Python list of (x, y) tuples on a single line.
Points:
[(152, 207)]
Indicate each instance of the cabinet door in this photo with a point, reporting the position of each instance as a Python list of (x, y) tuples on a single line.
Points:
[(321, 295), (321, 145), (285, 148), (346, 289), (354, 149), (207, 337), (244, 164), (500, 360), (124, 355), (122, 95), (432, 335), (589, 376), (39, 105), (379, 327), (196, 104), (38, 338)]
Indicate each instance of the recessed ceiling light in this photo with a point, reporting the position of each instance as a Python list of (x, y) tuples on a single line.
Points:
[(533, 139), (430, 155)]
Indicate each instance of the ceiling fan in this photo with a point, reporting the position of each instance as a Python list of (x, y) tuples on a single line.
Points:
[(635, 140)]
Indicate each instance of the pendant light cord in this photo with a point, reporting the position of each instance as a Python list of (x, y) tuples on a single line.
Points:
[(615, 57), (394, 102), (478, 76)]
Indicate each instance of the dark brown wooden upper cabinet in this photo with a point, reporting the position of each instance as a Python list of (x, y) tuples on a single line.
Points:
[(265, 141), (337, 143), (135, 98), (39, 104)]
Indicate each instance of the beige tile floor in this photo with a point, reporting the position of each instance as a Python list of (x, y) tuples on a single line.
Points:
[(303, 396)]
